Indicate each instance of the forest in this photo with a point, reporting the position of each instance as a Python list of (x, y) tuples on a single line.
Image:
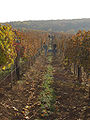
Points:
[(69, 26)]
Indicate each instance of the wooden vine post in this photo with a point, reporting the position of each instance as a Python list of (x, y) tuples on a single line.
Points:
[(17, 66)]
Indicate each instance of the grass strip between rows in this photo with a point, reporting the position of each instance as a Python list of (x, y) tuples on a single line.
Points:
[(47, 96)]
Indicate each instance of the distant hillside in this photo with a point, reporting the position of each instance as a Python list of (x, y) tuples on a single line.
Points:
[(70, 26)]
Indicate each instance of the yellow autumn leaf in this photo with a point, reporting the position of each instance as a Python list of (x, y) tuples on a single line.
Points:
[(3, 68)]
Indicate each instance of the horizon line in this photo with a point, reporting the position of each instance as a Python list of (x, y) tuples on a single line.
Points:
[(44, 20)]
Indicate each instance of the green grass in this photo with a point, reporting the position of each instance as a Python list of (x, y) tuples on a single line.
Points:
[(47, 96)]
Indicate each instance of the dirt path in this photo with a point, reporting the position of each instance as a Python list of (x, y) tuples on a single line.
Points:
[(45, 92), (71, 100), (21, 102)]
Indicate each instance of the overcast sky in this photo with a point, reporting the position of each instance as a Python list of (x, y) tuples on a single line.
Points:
[(21, 10)]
